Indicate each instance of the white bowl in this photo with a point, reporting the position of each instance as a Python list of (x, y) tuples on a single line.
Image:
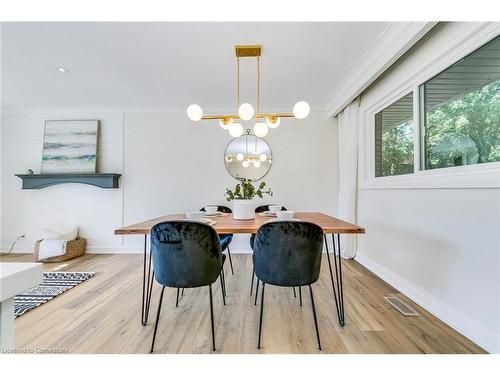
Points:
[(285, 215), (211, 209), (275, 207), (195, 215)]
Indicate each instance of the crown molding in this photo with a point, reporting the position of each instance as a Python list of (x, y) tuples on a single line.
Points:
[(394, 41)]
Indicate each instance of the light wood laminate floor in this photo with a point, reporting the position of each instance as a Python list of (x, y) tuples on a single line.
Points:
[(102, 315)]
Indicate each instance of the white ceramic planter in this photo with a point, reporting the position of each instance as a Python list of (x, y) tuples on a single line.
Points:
[(243, 209)]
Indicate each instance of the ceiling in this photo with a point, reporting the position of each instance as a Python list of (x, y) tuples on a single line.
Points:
[(171, 65)]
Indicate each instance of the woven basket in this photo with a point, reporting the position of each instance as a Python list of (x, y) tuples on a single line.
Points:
[(74, 248)]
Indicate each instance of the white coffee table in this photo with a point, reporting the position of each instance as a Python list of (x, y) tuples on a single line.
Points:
[(15, 278)]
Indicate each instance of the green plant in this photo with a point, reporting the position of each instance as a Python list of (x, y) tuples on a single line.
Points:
[(246, 190)]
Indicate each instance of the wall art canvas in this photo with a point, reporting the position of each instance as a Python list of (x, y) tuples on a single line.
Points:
[(70, 146)]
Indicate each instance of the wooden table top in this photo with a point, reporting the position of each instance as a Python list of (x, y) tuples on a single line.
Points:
[(226, 224)]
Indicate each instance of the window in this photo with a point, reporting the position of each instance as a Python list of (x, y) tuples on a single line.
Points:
[(394, 138), (461, 111)]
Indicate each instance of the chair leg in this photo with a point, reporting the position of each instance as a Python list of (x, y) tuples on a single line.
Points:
[(222, 288), (261, 313), (294, 294), (300, 296), (253, 276), (182, 292), (157, 320), (230, 260), (177, 298), (256, 292), (224, 281), (315, 318), (212, 318)]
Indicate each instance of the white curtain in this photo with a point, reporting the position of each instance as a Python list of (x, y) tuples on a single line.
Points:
[(348, 172)]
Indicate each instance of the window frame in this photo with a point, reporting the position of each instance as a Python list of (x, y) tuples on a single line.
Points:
[(415, 125), (485, 175), (421, 111)]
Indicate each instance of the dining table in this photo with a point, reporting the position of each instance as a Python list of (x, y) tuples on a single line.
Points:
[(226, 224)]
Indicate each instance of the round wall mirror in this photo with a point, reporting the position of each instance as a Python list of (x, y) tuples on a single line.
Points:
[(248, 157)]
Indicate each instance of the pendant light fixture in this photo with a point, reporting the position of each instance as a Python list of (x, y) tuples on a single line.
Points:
[(246, 111)]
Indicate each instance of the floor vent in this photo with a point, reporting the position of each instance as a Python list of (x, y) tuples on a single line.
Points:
[(402, 307)]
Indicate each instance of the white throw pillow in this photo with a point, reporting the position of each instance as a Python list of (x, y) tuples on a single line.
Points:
[(48, 234), (71, 235)]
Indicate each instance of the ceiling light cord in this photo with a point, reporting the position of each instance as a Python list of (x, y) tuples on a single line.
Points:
[(238, 86)]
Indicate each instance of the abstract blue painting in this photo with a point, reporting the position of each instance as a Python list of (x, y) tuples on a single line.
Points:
[(70, 146)]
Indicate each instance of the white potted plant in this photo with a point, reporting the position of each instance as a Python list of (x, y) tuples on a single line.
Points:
[(242, 195)]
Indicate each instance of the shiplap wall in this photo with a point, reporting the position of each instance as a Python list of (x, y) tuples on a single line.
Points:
[(96, 211)]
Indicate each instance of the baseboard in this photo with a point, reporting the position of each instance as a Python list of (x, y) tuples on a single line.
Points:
[(477, 333), (128, 250)]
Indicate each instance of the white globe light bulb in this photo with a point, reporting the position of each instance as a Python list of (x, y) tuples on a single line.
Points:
[(246, 111), (260, 129), (263, 157), (273, 121), (245, 164), (239, 156), (235, 129), (301, 110), (194, 112), (256, 164), (225, 122)]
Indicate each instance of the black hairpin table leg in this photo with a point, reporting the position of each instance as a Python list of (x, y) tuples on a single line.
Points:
[(147, 284), (338, 290)]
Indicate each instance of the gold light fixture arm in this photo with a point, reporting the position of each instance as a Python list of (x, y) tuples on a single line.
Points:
[(257, 115)]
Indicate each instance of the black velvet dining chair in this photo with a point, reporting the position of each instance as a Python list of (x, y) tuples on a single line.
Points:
[(186, 254), (225, 239), (288, 254), (258, 210), (265, 208)]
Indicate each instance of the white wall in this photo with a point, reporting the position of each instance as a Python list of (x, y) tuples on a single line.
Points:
[(1, 117), (173, 165), (439, 246), (169, 165)]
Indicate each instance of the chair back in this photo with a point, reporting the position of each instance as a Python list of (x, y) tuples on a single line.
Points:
[(186, 254), (265, 208), (288, 253), (223, 209)]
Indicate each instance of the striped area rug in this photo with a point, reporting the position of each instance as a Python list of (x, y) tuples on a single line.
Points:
[(54, 284)]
